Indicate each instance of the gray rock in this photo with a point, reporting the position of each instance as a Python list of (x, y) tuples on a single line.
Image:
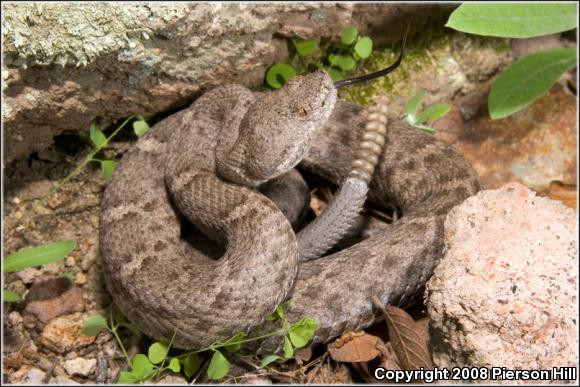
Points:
[(112, 60), (505, 292)]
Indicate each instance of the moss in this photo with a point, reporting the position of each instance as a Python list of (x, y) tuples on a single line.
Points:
[(417, 53)]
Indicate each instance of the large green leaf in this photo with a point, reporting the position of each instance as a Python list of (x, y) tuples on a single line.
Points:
[(527, 79), (523, 20), (39, 255)]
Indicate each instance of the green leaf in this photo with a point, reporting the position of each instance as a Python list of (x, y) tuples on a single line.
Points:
[(10, 296), (333, 59), (348, 35), (236, 342), (432, 113), (527, 79), (127, 378), (219, 366), (288, 349), (266, 360), (39, 255), (157, 352), (140, 127), (364, 47), (141, 366), (334, 74), (107, 169), (345, 62), (305, 47), (524, 20), (301, 332), (191, 364), (279, 74), (174, 365), (413, 103), (97, 136), (94, 324), (278, 313)]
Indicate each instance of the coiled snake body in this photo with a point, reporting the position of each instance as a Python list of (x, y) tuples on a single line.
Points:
[(204, 163)]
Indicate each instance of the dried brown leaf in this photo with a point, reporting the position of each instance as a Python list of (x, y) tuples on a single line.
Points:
[(389, 359), (353, 347), (407, 339)]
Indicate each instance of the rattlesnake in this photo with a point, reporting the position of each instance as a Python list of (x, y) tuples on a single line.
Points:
[(166, 283)]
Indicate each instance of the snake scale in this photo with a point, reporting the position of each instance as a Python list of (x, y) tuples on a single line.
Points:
[(205, 163)]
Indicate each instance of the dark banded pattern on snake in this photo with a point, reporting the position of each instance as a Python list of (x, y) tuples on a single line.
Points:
[(162, 283)]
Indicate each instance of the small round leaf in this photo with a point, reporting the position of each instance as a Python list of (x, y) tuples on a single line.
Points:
[(141, 366), (127, 378), (348, 35), (219, 366), (107, 169), (157, 352), (334, 74), (279, 74), (191, 364), (174, 365), (305, 47), (364, 47), (97, 136), (140, 127), (94, 324), (346, 62), (301, 332)]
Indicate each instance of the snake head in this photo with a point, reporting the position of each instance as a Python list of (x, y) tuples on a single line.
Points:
[(279, 128)]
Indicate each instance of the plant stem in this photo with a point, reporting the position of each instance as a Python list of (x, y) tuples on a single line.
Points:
[(87, 160), (113, 330), (215, 346)]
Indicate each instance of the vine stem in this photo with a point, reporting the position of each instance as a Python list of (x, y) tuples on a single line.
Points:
[(214, 346), (113, 330), (87, 160)]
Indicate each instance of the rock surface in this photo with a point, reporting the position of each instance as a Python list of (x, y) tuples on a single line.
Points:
[(65, 333), (505, 292), (533, 146), (53, 297), (105, 61)]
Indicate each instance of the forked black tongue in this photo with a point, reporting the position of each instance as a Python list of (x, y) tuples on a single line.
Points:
[(377, 74)]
